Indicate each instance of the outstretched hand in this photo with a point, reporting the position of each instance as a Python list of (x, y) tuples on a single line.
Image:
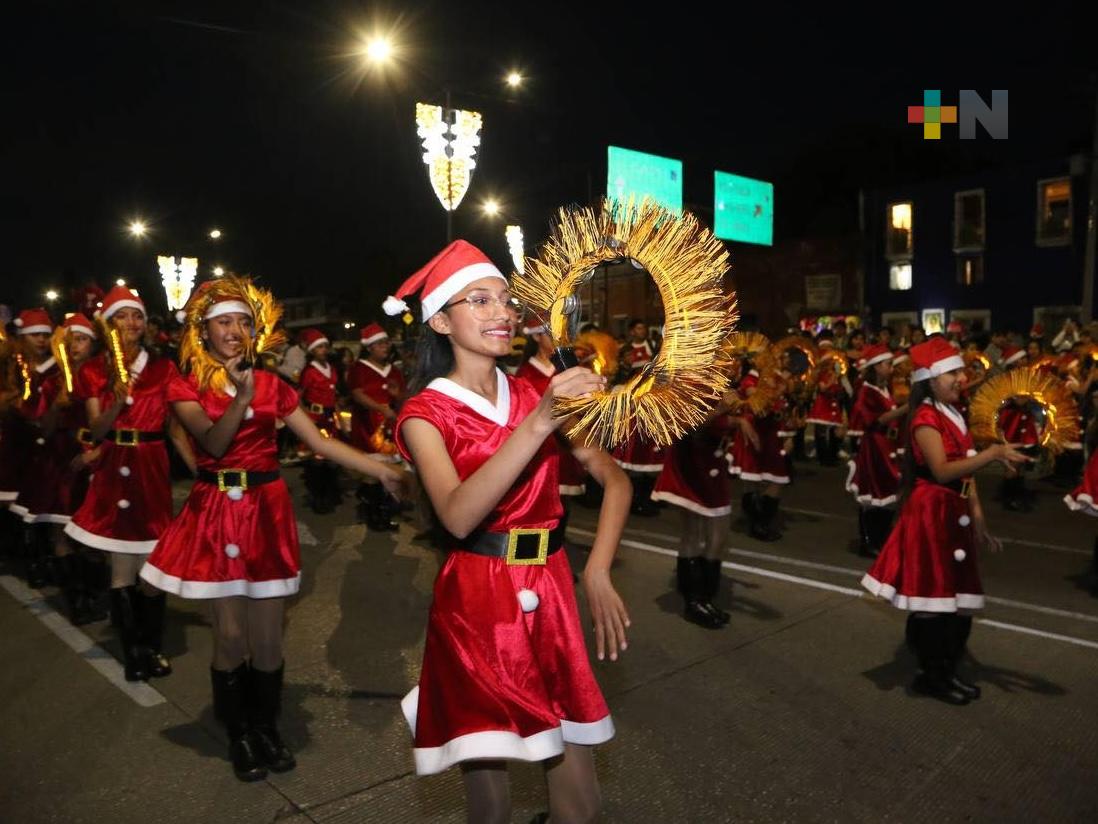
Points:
[(608, 614)]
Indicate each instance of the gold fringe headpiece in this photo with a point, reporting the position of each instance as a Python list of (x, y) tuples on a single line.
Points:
[(195, 359), (673, 394), (1058, 402)]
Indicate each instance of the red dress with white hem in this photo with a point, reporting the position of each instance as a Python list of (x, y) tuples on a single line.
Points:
[(695, 475), (233, 543), (499, 682), (129, 500), (1084, 498), (928, 563), (874, 478), (381, 385), (767, 463), (318, 395)]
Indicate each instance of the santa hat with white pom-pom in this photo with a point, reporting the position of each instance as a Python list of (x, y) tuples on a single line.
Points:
[(446, 274)]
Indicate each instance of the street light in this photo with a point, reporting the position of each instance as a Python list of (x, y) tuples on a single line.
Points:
[(138, 228), (120, 282), (379, 49), (514, 79), (215, 234), (218, 271), (52, 295), (490, 207)]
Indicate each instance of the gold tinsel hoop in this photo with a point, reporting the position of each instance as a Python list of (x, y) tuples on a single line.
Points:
[(195, 359), (757, 349), (1057, 401), (671, 395)]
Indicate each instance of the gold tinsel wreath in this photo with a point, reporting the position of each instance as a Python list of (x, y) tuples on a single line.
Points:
[(195, 359), (1047, 390), (760, 352), (671, 395)]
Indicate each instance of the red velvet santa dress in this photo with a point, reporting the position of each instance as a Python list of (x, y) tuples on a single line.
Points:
[(318, 395), (1084, 498), (928, 563), (235, 535), (695, 475), (381, 385), (505, 668), (874, 478), (767, 463), (572, 473), (38, 453), (129, 500), (52, 490), (638, 454), (827, 409)]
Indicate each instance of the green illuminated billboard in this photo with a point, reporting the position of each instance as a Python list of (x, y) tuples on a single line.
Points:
[(743, 209), (637, 174)]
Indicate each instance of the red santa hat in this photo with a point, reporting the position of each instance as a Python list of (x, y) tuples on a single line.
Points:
[(933, 358), (34, 322), (372, 334), (79, 323), (118, 298), (874, 353), (1038, 331), (1012, 354), (955, 327), (312, 338), (446, 274)]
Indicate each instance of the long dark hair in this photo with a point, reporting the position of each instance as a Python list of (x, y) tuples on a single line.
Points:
[(434, 359), (920, 391)]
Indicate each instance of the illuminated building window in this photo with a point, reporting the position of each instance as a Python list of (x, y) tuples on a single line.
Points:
[(898, 243), (899, 277), (970, 269), (1054, 211), (968, 220)]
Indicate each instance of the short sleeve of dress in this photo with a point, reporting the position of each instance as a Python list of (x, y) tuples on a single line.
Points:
[(417, 406), (181, 388), (286, 398), (90, 381), (926, 415)]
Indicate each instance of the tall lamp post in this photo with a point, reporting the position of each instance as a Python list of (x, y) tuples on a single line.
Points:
[(450, 140)]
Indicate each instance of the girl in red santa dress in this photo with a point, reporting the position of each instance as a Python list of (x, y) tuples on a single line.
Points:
[(874, 478), (695, 479), (928, 564), (33, 368), (55, 480), (1084, 498), (318, 399), (826, 414), (377, 387), (129, 498), (235, 540), (505, 669)]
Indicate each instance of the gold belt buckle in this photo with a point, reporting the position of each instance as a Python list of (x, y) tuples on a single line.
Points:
[(514, 558), (126, 437), (84, 436), (240, 473), (316, 409)]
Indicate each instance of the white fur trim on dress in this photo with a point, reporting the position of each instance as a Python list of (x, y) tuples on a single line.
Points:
[(568, 489), (199, 590), (693, 506), (820, 422), (758, 476), (42, 517), (108, 544), (501, 744), (914, 603), (865, 500), (8, 496), (651, 468), (1079, 503)]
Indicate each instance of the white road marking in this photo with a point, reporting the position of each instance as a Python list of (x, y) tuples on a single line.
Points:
[(105, 663)]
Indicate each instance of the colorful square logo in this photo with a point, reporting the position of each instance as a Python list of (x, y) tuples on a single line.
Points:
[(932, 114)]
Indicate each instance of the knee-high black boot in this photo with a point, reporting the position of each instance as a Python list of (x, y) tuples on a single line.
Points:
[(960, 627), (230, 708), (763, 528), (88, 581), (691, 586), (932, 647), (865, 543), (711, 576), (264, 705), (879, 525), (37, 548), (150, 612), (643, 504), (124, 617)]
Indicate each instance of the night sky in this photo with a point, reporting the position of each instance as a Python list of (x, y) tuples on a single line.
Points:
[(259, 118)]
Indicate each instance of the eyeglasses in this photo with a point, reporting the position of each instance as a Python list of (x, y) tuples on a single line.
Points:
[(483, 306)]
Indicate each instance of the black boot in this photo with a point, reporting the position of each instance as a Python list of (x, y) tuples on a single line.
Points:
[(1094, 586), (960, 627), (930, 637), (878, 527), (150, 612), (643, 504), (264, 703), (68, 576), (865, 543), (330, 485), (387, 507), (762, 529), (36, 545), (93, 589), (229, 696), (749, 503), (711, 576), (124, 617), (692, 585)]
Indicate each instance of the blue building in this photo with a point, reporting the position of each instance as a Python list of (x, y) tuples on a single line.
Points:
[(1001, 249)]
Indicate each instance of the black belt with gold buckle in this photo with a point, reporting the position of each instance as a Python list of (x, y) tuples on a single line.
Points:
[(132, 437), (227, 479), (84, 436), (521, 547), (317, 409)]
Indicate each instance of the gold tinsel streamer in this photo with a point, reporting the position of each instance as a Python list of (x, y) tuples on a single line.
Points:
[(1047, 390), (193, 356), (60, 347), (674, 393), (24, 375)]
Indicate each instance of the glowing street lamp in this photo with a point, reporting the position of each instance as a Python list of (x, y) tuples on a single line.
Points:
[(450, 140), (178, 279), (379, 49), (120, 282), (215, 234), (218, 271), (490, 207), (515, 246), (514, 79), (137, 228), (52, 295)]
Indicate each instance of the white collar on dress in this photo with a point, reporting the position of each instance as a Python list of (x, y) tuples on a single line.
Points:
[(545, 368), (45, 365), (882, 389), (325, 370), (497, 413), (139, 363), (383, 372), (951, 413)]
